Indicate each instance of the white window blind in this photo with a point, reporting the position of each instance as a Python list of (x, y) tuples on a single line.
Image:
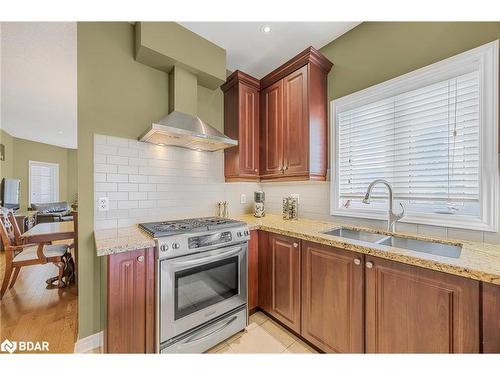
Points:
[(44, 182), (432, 134), (425, 142)]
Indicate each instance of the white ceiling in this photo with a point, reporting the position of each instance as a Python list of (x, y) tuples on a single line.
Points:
[(39, 84), (252, 51)]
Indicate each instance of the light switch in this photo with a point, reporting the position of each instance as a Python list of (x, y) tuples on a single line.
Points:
[(103, 204), (243, 198)]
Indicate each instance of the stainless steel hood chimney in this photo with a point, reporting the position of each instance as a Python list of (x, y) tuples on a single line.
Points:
[(181, 127), (189, 131)]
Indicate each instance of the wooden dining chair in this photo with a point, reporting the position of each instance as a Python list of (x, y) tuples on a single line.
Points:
[(18, 254)]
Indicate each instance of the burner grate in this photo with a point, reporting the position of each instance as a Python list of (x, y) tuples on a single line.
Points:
[(168, 228)]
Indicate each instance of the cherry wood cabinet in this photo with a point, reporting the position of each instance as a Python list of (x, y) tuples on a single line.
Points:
[(271, 143), (280, 121), (410, 309), (253, 271), (130, 316), (491, 318), (279, 279), (332, 298), (294, 119), (241, 122)]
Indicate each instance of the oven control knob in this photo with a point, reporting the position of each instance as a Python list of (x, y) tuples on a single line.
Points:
[(164, 247), (247, 233), (239, 234), (175, 245)]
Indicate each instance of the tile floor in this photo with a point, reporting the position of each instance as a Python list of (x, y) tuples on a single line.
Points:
[(263, 335)]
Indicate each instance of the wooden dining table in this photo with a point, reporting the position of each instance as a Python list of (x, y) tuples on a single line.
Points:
[(50, 232)]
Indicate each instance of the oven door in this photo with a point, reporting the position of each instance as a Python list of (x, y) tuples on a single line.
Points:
[(197, 288)]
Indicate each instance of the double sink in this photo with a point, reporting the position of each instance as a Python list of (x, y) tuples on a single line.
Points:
[(429, 247)]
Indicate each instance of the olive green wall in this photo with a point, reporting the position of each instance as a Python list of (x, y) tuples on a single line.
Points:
[(374, 52), (16, 165), (7, 165), (121, 97)]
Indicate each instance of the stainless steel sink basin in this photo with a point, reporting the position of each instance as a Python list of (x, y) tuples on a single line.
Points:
[(359, 235), (434, 248)]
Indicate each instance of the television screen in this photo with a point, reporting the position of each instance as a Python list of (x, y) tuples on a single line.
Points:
[(10, 193)]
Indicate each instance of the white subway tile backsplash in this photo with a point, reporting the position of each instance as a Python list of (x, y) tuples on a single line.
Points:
[(137, 178), (105, 168), (100, 177), (105, 186), (113, 177), (128, 187), (130, 152), (117, 196), (147, 187), (145, 182), (141, 195), (128, 169), (122, 205), (118, 160)]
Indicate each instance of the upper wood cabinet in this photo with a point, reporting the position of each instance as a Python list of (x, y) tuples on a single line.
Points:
[(130, 322), (291, 115), (241, 122), (294, 117), (332, 298), (415, 310)]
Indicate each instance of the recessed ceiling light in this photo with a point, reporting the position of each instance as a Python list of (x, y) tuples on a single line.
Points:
[(266, 29), (60, 132), (161, 144)]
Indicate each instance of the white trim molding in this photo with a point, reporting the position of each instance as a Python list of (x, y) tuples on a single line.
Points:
[(485, 60), (89, 343)]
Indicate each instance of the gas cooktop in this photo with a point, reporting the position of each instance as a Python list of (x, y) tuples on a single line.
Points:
[(201, 224)]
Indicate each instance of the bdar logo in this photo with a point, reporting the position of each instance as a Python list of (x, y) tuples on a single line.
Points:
[(8, 346)]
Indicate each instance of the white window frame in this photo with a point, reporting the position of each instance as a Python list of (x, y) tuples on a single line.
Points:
[(486, 58), (56, 178)]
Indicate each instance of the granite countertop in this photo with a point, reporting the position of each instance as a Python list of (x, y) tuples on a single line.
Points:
[(479, 261)]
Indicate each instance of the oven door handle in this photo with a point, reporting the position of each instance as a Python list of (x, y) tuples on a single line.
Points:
[(202, 260), (212, 332)]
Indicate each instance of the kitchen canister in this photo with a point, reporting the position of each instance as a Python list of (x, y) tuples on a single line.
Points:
[(290, 208), (259, 208)]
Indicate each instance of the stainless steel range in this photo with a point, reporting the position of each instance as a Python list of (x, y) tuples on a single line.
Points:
[(202, 282)]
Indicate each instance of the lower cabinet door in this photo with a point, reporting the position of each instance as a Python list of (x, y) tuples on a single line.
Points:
[(332, 298), (253, 271), (130, 302), (285, 280), (415, 310)]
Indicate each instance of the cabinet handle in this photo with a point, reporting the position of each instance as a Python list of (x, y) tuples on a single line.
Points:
[(295, 244), (369, 264), (357, 261), (286, 167), (256, 170), (140, 258)]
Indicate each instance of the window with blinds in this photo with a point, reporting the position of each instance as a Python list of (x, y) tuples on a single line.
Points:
[(44, 182), (426, 135)]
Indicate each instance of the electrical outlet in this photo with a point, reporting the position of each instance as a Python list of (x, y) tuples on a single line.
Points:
[(103, 204), (243, 198), (296, 196)]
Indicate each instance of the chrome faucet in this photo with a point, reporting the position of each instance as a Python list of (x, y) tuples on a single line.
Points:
[(392, 218)]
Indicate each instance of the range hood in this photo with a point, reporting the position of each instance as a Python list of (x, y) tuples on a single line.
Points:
[(181, 127), (186, 130)]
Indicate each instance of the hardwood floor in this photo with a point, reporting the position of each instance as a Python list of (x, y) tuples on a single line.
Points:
[(31, 312)]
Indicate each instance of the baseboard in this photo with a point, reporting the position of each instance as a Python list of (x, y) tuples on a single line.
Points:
[(88, 343)]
